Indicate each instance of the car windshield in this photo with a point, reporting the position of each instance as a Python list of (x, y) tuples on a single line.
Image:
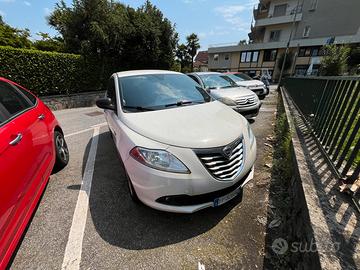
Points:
[(235, 78), (217, 81), (159, 91), (243, 76)]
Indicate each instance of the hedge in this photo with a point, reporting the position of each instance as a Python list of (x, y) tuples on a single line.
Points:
[(50, 73)]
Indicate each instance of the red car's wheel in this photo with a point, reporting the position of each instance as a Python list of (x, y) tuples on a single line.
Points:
[(61, 150)]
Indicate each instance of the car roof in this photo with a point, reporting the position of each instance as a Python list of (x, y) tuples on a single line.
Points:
[(204, 73), (144, 72)]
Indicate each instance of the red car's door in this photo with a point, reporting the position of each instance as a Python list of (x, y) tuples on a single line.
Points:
[(25, 150)]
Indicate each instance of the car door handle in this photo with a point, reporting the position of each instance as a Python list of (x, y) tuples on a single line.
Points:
[(41, 116), (16, 140)]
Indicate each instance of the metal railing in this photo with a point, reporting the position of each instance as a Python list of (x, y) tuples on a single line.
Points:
[(331, 107)]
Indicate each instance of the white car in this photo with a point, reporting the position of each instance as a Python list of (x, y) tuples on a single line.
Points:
[(221, 87), (182, 151), (243, 80)]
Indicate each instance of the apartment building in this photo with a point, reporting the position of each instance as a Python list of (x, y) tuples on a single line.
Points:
[(311, 24)]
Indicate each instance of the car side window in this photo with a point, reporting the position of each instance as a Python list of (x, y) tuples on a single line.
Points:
[(30, 96), (111, 93), (12, 102)]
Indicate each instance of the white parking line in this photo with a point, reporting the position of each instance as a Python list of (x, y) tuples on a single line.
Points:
[(72, 257), (85, 130)]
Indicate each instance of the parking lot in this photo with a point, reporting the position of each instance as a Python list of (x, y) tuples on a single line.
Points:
[(119, 234)]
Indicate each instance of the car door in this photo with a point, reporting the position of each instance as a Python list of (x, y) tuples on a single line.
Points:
[(23, 136)]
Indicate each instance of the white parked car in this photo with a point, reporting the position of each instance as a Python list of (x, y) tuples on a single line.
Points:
[(243, 80), (224, 89), (182, 150)]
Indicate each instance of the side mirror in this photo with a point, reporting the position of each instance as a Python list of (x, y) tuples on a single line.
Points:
[(105, 103), (207, 89)]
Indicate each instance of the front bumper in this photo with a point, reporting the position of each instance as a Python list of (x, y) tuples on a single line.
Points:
[(262, 91), (250, 111), (187, 193)]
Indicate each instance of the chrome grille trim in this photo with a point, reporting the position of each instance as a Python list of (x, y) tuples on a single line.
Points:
[(246, 101), (221, 166)]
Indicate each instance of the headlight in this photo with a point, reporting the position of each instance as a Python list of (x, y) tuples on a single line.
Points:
[(158, 159), (227, 101), (250, 135)]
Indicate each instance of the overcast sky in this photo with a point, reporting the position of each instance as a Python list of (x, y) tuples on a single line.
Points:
[(215, 21)]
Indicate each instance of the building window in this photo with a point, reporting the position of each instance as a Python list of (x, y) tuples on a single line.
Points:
[(243, 57), (216, 57), (313, 5), (227, 57), (307, 31), (270, 55), (280, 10), (255, 57), (275, 35), (300, 70), (247, 57), (302, 52)]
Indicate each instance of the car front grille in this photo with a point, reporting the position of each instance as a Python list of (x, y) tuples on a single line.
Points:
[(246, 101), (223, 163)]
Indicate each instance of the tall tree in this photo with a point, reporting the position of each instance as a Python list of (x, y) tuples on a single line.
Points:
[(14, 37), (192, 45), (116, 34)]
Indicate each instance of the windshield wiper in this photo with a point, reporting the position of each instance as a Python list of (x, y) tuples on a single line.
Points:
[(182, 103), (138, 108)]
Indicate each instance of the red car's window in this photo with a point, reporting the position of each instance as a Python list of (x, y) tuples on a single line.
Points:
[(12, 102)]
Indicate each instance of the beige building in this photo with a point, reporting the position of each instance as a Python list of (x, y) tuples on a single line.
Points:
[(313, 23)]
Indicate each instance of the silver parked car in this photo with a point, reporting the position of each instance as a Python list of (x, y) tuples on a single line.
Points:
[(224, 89)]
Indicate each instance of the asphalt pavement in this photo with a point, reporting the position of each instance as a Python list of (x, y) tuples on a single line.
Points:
[(119, 234)]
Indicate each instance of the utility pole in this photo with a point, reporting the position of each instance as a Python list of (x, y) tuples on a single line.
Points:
[(288, 44)]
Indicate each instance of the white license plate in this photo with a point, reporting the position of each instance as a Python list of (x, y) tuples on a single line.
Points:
[(227, 197)]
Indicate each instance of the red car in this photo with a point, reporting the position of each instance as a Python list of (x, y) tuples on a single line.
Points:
[(32, 146)]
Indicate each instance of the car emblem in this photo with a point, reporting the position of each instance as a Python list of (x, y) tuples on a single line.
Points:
[(227, 151)]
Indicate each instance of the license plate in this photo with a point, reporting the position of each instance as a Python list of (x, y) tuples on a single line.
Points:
[(227, 197)]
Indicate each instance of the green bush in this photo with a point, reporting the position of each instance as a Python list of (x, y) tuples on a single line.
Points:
[(50, 73)]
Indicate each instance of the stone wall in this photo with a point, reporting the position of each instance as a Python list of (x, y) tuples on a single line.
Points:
[(61, 102)]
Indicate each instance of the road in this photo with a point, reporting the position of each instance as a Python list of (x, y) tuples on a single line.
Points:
[(120, 234)]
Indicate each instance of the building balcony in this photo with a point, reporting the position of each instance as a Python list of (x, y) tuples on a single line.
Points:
[(289, 18)]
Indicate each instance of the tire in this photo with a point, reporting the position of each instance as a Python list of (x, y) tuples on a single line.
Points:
[(61, 152), (132, 191), (262, 97)]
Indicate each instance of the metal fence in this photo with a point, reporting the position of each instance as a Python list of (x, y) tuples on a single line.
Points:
[(331, 107)]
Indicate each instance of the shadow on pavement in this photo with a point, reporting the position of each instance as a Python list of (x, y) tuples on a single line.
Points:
[(123, 223)]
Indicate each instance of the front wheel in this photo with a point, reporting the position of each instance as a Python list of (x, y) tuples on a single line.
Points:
[(61, 152)]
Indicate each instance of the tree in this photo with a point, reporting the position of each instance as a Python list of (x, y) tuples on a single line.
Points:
[(184, 57), (192, 46), (115, 34), (14, 37), (335, 61), (47, 43), (354, 60), (288, 62)]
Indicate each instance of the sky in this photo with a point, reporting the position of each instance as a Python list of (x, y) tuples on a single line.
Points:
[(214, 21)]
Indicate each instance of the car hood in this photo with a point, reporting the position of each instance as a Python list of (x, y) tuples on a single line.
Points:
[(233, 93), (252, 83), (205, 125)]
